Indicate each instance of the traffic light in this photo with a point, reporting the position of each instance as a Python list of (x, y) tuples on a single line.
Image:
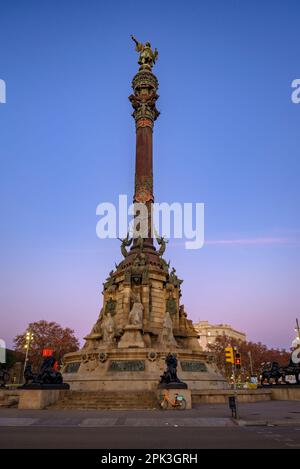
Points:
[(229, 355), (238, 361)]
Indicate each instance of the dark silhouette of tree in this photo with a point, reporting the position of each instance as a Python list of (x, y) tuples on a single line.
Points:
[(47, 335), (260, 353)]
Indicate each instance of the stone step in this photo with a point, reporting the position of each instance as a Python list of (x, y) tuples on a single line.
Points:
[(108, 397), (106, 400), (87, 406), (109, 393), (98, 399), (109, 400), (102, 407), (11, 401)]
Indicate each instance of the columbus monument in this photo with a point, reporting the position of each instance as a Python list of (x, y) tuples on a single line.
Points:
[(142, 319)]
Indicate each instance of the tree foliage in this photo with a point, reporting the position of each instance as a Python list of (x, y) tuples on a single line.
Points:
[(259, 354), (47, 335)]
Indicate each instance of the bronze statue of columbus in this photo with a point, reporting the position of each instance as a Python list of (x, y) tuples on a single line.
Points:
[(147, 57)]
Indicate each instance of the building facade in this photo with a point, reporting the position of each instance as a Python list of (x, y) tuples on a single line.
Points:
[(209, 332)]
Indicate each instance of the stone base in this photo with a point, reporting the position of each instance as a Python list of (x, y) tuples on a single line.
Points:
[(172, 386), (8, 398), (137, 369), (132, 338), (38, 398), (45, 386), (186, 393), (286, 393), (214, 396)]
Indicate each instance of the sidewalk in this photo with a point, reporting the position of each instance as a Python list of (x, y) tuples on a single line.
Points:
[(269, 413), (283, 413)]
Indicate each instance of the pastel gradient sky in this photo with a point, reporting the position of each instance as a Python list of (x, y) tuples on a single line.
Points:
[(228, 136)]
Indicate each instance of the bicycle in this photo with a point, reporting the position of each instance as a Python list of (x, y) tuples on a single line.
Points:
[(179, 401)]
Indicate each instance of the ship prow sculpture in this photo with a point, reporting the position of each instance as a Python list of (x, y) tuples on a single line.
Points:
[(142, 319)]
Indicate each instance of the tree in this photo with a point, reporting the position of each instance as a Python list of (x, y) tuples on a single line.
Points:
[(259, 354), (47, 335)]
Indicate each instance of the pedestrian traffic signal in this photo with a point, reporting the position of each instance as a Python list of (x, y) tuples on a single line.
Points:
[(229, 355), (238, 360)]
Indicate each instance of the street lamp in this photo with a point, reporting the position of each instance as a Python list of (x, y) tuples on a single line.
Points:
[(251, 365), (28, 339)]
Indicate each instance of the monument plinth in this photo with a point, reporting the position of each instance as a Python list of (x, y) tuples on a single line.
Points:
[(141, 320), (132, 337)]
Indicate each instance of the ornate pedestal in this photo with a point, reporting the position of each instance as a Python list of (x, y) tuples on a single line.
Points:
[(132, 337), (138, 369)]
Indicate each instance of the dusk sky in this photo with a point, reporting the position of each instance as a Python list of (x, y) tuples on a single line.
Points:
[(227, 136)]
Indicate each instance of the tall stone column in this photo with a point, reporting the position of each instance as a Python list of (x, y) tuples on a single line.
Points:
[(143, 99)]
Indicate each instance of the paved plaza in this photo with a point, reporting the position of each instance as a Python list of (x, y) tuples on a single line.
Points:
[(274, 424)]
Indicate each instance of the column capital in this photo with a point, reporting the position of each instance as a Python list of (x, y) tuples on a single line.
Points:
[(143, 99)]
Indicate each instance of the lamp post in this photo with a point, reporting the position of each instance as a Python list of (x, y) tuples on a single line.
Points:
[(234, 383), (251, 365), (28, 338)]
